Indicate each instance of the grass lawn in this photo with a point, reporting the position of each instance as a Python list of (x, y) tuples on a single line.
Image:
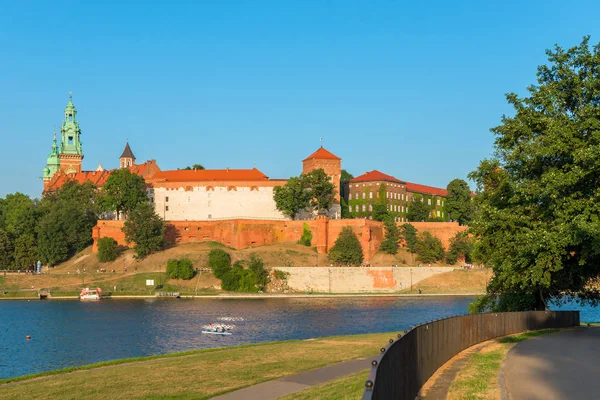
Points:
[(199, 375), (350, 387), (479, 378)]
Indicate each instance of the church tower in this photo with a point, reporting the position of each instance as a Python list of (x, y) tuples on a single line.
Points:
[(52, 163), (71, 153), (127, 159)]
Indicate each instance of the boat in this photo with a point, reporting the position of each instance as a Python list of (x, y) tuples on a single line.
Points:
[(217, 329), (88, 294), (217, 333)]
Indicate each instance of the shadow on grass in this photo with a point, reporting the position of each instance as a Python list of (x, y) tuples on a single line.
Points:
[(525, 336)]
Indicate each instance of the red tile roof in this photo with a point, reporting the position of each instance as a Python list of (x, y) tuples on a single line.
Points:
[(321, 154), (99, 178), (375, 176), (415, 187), (210, 175)]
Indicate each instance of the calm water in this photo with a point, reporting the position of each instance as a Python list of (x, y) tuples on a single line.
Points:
[(71, 333)]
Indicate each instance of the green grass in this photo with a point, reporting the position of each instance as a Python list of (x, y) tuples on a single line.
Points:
[(350, 387), (192, 375), (526, 335)]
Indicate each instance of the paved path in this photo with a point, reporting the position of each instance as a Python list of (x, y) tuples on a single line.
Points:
[(283, 386), (557, 366)]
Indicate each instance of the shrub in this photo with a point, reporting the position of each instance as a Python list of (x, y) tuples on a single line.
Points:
[(429, 248), (306, 238), (281, 275), (180, 269), (239, 279), (107, 249), (219, 261), (460, 244), (347, 248), (145, 229)]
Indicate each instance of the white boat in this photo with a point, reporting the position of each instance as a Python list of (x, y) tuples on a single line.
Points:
[(217, 329), (217, 333), (88, 294)]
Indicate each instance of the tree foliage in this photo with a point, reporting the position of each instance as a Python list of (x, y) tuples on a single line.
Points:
[(123, 192), (429, 248), (458, 202), (306, 238), (180, 269), (311, 190), (537, 223), (145, 229), (344, 179), (408, 234), (107, 249), (460, 245), (390, 243), (194, 167), (235, 277), (219, 261), (346, 249), (418, 211)]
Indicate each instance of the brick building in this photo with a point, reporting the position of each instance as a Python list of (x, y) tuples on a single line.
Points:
[(374, 187)]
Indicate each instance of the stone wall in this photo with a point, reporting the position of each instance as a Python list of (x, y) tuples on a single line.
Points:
[(243, 233), (357, 279)]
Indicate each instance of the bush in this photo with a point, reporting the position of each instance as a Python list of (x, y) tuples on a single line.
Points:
[(460, 244), (429, 248), (239, 279), (180, 269), (281, 275), (107, 249), (347, 248), (219, 261), (306, 238), (390, 244)]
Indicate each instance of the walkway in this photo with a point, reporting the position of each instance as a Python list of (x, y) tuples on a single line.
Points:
[(283, 386), (557, 366)]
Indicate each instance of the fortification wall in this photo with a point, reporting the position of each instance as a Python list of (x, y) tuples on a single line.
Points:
[(357, 279), (243, 233)]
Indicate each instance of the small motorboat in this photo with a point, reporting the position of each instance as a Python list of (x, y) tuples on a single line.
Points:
[(217, 329), (88, 294)]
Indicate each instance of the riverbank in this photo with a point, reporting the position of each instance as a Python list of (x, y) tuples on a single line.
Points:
[(194, 375)]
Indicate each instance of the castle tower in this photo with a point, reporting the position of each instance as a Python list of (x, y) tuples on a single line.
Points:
[(127, 159), (71, 153), (52, 163), (332, 165)]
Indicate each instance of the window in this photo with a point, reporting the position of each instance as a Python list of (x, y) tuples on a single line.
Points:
[(364, 207), (387, 195), (402, 208), (167, 208), (364, 195), (209, 216), (395, 195), (438, 213), (167, 199), (370, 207), (370, 195), (402, 196), (356, 196), (350, 208), (356, 208), (209, 202), (428, 202), (189, 199), (70, 139), (438, 202)]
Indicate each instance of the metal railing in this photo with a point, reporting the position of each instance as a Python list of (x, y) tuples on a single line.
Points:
[(406, 363)]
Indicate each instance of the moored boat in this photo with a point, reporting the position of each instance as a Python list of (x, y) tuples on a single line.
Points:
[(88, 294)]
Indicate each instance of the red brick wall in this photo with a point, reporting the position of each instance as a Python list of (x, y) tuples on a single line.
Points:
[(243, 233)]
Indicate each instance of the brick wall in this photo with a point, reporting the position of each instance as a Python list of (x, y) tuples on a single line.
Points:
[(243, 233)]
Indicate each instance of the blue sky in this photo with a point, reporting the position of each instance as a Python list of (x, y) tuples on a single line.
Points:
[(408, 88)]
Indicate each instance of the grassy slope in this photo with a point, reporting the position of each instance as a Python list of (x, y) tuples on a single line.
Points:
[(457, 281), (197, 376), (350, 387)]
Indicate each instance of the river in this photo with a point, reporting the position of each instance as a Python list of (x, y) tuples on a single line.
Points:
[(71, 333)]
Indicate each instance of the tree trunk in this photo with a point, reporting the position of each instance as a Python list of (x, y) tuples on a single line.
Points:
[(540, 302)]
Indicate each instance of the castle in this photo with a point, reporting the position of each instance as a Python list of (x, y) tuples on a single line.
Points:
[(217, 194)]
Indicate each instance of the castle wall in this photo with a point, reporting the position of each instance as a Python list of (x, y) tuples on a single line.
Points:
[(357, 279)]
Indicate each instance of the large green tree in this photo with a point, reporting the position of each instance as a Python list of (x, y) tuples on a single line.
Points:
[(538, 220), (292, 197), (429, 248), (458, 203), (6, 250), (122, 192), (322, 191), (347, 248), (145, 229), (418, 211), (344, 179), (408, 234), (390, 243)]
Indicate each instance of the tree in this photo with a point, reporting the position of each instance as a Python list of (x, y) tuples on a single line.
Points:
[(219, 261), (292, 197), (20, 215), (344, 179), (390, 244), (322, 191), (537, 222), (180, 269), (6, 250), (145, 229), (429, 248), (460, 245), (123, 191), (25, 251), (194, 167), (306, 239), (408, 234), (347, 248), (380, 212), (107, 249), (418, 211), (458, 203)]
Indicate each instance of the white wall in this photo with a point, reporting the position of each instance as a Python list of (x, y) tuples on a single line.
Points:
[(199, 204)]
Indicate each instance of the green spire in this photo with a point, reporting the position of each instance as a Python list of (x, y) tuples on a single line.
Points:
[(52, 162), (70, 132)]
